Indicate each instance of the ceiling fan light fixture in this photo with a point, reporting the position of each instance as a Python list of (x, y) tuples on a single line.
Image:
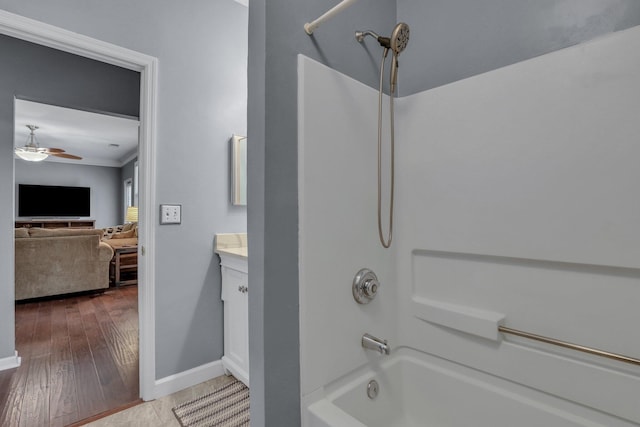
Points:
[(32, 152), (30, 156)]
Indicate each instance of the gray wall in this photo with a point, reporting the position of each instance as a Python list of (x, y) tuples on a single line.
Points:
[(33, 72), (452, 40), (104, 182), (202, 101), (275, 39)]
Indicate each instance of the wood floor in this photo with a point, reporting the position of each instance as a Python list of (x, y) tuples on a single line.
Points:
[(79, 358)]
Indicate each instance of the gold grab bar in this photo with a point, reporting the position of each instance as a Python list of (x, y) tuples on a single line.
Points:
[(584, 349)]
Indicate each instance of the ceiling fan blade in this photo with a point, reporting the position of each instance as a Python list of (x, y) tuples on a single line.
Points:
[(66, 156), (51, 150)]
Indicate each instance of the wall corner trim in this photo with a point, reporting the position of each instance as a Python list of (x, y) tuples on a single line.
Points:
[(10, 362), (38, 32), (173, 383)]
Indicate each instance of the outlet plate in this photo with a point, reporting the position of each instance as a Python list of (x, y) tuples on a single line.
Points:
[(170, 214)]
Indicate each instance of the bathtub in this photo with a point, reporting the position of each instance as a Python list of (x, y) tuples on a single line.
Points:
[(416, 389)]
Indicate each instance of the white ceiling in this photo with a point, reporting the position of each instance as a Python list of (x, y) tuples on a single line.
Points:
[(85, 134)]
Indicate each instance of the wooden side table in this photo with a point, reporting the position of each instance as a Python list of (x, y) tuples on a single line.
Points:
[(123, 269)]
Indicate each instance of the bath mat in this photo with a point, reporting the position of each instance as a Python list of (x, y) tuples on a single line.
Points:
[(227, 406)]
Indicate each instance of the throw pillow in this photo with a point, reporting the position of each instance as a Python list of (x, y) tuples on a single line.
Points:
[(110, 231)]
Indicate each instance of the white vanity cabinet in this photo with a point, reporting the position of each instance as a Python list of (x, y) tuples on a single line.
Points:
[(236, 315)]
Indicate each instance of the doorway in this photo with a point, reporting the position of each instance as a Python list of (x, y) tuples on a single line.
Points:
[(76, 321), (46, 35)]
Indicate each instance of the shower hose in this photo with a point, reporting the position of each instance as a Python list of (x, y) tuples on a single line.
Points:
[(386, 241)]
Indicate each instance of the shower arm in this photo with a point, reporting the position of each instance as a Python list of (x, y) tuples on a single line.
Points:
[(385, 42)]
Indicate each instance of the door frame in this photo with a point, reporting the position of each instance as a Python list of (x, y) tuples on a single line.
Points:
[(38, 32)]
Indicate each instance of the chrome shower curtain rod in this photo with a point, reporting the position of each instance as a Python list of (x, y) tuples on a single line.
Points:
[(310, 27)]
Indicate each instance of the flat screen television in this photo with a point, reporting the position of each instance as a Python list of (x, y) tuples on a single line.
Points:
[(53, 201)]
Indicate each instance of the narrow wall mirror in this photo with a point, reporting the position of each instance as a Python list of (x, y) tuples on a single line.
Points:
[(239, 170)]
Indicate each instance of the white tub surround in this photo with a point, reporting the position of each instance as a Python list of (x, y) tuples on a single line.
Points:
[(338, 226), (516, 205), (517, 196), (232, 248)]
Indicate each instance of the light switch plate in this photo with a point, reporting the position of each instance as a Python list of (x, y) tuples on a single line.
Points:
[(170, 214)]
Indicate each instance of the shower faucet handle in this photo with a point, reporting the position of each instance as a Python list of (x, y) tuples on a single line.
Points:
[(365, 286), (370, 287)]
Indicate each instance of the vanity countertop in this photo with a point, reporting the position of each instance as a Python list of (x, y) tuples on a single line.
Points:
[(234, 244), (240, 252)]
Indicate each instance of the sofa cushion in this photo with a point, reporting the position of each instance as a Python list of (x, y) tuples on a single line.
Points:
[(63, 232), (119, 243), (124, 235), (21, 233)]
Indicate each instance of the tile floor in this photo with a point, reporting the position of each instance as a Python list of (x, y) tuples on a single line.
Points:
[(157, 413)]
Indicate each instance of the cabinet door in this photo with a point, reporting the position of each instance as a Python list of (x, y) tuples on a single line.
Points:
[(236, 318)]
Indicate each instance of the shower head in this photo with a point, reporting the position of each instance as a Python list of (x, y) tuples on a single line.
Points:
[(399, 38), (397, 42)]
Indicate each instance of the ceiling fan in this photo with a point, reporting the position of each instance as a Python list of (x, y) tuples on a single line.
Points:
[(34, 153)]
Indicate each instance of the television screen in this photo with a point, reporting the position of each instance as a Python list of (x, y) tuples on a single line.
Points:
[(53, 201)]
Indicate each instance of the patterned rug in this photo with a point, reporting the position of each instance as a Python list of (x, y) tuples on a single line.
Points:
[(227, 406)]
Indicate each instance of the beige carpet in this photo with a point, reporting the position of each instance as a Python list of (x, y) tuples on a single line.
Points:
[(227, 406)]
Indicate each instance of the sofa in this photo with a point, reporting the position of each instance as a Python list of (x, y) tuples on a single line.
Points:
[(59, 261)]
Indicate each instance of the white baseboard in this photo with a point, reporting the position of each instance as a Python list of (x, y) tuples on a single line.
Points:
[(172, 383), (10, 362)]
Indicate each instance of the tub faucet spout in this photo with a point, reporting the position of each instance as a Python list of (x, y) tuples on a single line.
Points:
[(372, 343)]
